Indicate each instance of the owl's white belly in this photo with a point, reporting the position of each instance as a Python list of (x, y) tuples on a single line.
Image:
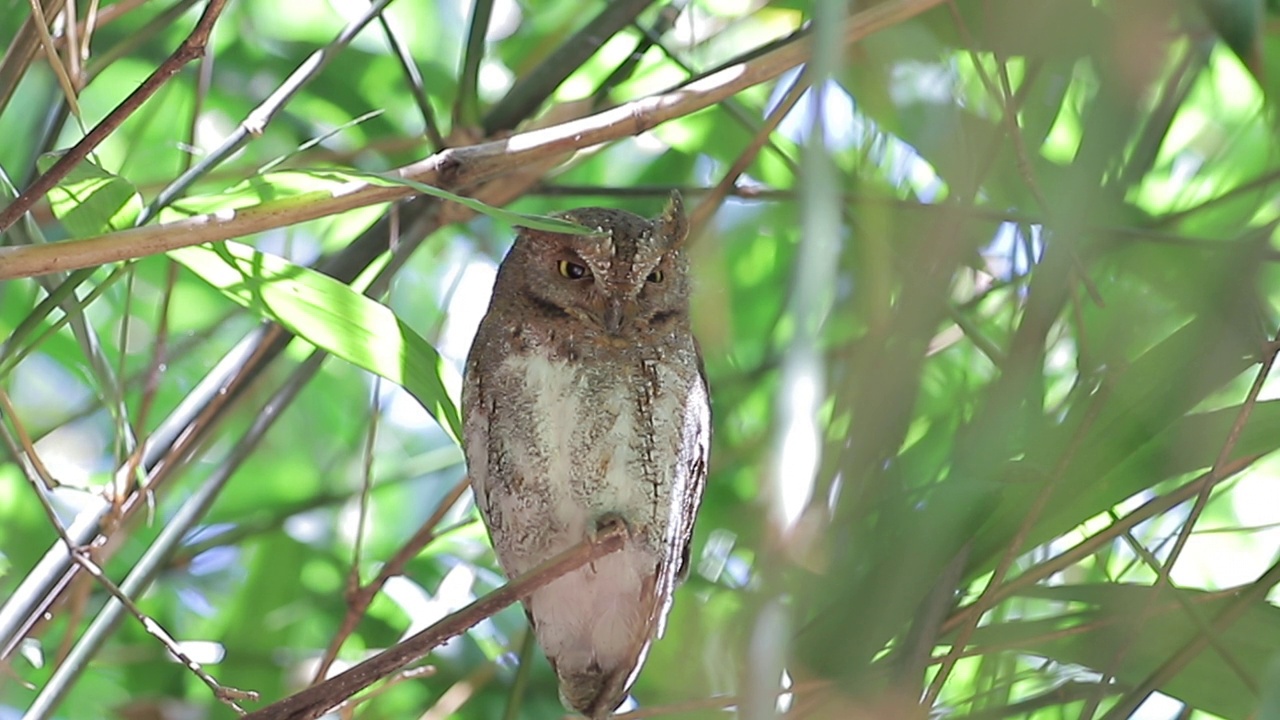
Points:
[(596, 457)]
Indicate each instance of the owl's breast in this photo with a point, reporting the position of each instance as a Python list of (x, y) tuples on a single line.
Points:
[(571, 441)]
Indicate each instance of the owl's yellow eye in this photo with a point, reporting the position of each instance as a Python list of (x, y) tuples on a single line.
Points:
[(572, 270), (655, 276)]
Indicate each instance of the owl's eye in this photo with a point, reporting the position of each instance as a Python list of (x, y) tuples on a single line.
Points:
[(655, 276), (572, 270)]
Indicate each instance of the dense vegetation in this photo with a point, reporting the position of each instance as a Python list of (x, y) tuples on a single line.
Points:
[(986, 289)]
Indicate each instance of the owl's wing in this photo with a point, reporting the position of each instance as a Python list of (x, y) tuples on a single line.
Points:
[(695, 452), (696, 455), (476, 411)]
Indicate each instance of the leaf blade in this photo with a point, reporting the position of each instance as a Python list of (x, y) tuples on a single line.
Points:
[(330, 315)]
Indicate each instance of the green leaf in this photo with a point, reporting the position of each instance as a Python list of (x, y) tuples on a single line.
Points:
[(297, 185), (1269, 706), (329, 315), (91, 201), (534, 222)]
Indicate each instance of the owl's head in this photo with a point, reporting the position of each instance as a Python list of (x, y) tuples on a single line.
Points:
[(629, 275)]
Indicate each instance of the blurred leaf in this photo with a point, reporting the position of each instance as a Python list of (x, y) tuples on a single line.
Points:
[(1239, 23), (1269, 705), (1135, 629)]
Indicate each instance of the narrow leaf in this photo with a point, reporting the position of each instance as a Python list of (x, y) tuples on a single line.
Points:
[(296, 184), (329, 315), (535, 222), (91, 201)]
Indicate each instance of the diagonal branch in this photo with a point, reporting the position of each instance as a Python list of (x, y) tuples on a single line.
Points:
[(527, 95), (190, 49), (452, 169), (319, 699), (362, 597), (258, 118)]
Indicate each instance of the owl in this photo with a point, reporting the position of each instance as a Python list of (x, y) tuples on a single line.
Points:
[(584, 402)]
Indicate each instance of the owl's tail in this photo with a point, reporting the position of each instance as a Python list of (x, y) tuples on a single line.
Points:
[(595, 626), (593, 691)]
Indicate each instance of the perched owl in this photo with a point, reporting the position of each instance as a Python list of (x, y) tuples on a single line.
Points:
[(585, 400)]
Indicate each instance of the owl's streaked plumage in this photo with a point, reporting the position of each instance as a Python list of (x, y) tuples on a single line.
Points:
[(584, 398)]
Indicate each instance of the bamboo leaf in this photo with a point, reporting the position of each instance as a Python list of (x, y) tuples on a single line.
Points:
[(90, 200), (331, 316)]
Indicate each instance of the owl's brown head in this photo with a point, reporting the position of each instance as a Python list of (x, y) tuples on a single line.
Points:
[(629, 275)]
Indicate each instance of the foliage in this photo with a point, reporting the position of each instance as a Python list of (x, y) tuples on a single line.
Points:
[(987, 299)]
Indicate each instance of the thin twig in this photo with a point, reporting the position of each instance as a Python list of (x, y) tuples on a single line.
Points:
[(224, 694), (190, 49), (1091, 544), (1164, 570), (21, 51), (1134, 626), (358, 602), (667, 16), (526, 95), (256, 121), (27, 449), (151, 384), (515, 698), (452, 700), (1252, 595), (989, 595), (75, 60), (451, 169), (702, 214), (467, 107), (366, 487), (429, 125), (80, 555), (51, 55), (318, 699)]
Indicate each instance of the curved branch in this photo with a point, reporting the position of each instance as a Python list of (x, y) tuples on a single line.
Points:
[(319, 699), (453, 169)]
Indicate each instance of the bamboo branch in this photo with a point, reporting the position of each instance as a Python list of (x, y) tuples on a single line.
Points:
[(319, 699), (359, 600), (190, 49), (452, 169)]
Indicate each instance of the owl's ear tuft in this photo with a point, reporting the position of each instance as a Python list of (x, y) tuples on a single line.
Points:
[(673, 224)]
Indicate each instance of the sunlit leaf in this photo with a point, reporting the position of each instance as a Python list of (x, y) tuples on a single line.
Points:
[(329, 315), (92, 201)]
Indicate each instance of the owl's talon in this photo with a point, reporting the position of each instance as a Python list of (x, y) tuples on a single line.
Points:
[(605, 524)]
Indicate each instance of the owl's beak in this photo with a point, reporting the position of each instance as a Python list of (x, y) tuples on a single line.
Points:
[(618, 313)]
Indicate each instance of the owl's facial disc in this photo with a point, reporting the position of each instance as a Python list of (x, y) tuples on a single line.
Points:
[(606, 295), (618, 314), (626, 276)]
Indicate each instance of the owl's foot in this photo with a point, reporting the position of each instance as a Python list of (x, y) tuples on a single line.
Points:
[(605, 524), (608, 521)]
